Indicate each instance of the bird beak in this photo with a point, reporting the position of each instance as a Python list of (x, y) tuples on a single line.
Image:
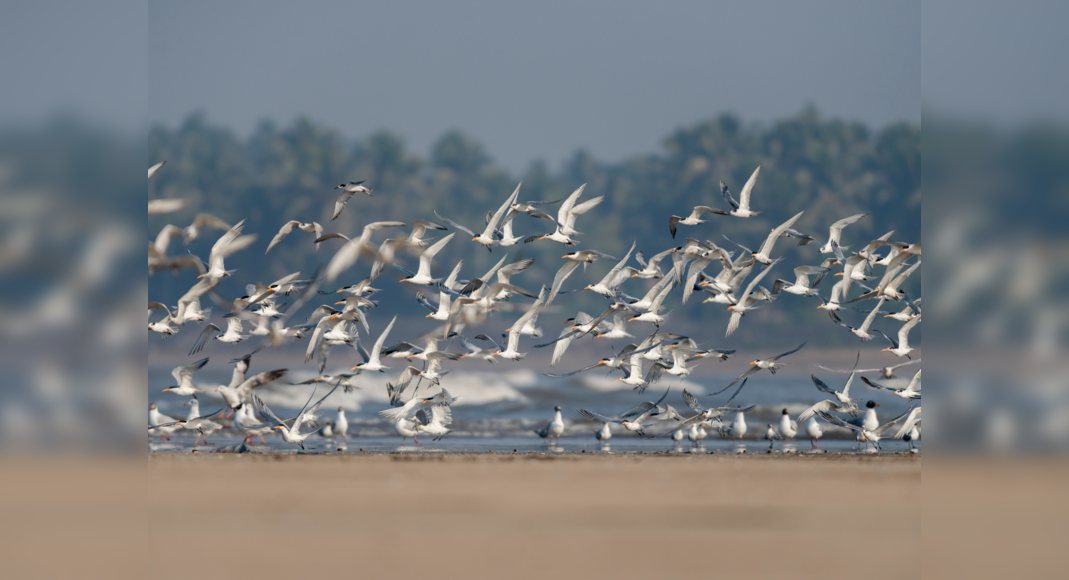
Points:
[(354, 368), (633, 275), (821, 306), (201, 276), (886, 315), (428, 316), (630, 319), (586, 288), (280, 426), (410, 356), (885, 349), (343, 302), (754, 362), (498, 352), (169, 388), (731, 307), (463, 356), (618, 379), (149, 326), (340, 289), (475, 238), (839, 274)]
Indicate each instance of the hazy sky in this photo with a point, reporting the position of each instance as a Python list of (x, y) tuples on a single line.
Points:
[(531, 80)]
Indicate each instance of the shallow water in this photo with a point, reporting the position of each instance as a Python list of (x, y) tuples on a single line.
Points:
[(498, 410)]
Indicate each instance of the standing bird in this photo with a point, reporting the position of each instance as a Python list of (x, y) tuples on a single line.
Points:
[(741, 208), (910, 430), (871, 421), (812, 428), (738, 427), (787, 427), (771, 436), (603, 434), (554, 428), (160, 423), (341, 426), (697, 433)]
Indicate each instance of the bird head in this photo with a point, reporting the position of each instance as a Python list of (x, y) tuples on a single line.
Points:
[(496, 353), (753, 362), (885, 349), (167, 389), (732, 307), (343, 302), (475, 238), (354, 368)]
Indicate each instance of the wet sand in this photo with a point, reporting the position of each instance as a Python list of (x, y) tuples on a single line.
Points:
[(535, 515)]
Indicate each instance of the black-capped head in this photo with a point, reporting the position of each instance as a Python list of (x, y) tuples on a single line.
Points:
[(557, 408), (785, 412), (872, 404)]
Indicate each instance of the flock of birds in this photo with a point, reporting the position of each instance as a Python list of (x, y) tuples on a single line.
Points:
[(463, 304)]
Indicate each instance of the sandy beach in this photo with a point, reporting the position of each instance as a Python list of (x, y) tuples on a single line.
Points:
[(475, 516)]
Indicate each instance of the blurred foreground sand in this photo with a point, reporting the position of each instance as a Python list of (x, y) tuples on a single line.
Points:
[(530, 516)]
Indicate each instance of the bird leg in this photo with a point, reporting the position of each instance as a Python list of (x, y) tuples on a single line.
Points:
[(195, 443), (262, 442)]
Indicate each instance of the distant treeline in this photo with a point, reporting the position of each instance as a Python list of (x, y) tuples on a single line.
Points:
[(829, 168)]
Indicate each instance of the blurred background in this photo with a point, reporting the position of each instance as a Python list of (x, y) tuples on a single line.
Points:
[(259, 112)]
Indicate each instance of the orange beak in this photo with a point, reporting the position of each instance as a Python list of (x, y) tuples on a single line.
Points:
[(339, 302), (428, 316), (354, 368)]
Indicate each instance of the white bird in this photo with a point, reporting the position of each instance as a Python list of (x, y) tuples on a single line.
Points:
[(311, 228), (232, 335), (246, 422), (865, 435), (812, 428), (677, 436), (902, 348), (837, 230), (419, 229), (487, 238), (227, 244), (697, 433), (603, 434), (292, 433), (401, 412), (910, 432), (238, 391), (870, 421), (607, 285), (346, 255), (842, 404), (771, 435), (566, 217), (203, 428), (787, 427), (909, 393), (906, 314), (192, 231), (423, 276), (650, 269), (631, 422), (347, 192), (160, 423), (434, 420), (801, 285), (341, 426), (741, 208), (747, 301), (694, 218), (771, 363), (763, 254), (862, 331), (706, 415), (738, 427), (184, 377), (575, 259), (885, 372), (554, 428), (406, 428), (652, 314), (512, 351), (373, 361)]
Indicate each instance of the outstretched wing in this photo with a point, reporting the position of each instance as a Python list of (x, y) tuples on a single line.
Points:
[(596, 416)]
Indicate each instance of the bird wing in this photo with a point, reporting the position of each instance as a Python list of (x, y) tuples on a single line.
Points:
[(203, 338), (758, 277), (654, 373), (903, 333), (596, 416), (377, 349), (345, 257), (849, 381), (587, 368), (506, 272), (821, 407), (837, 227), (340, 203), (883, 428), (454, 224), (837, 421), (562, 275), (910, 422), (744, 194), (259, 380), (693, 402), (608, 279), (152, 170), (766, 247), (792, 351), (566, 207), (492, 224), (266, 411), (307, 413), (821, 385), (872, 315), (562, 345), (185, 373), (282, 233), (876, 385), (912, 383), (331, 236), (429, 253)]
